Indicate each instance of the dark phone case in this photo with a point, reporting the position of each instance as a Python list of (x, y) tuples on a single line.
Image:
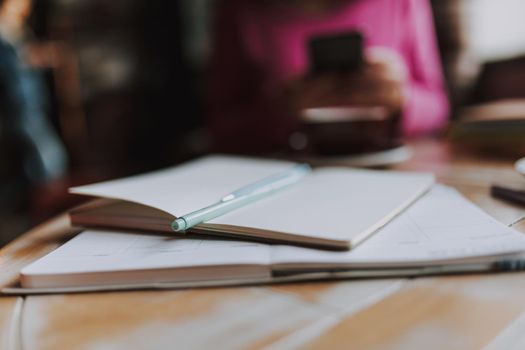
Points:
[(338, 52)]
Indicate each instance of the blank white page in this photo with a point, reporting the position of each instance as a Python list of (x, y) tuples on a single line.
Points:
[(103, 251), (334, 203), (440, 226), (188, 187)]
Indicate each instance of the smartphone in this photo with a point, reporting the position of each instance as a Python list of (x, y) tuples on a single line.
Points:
[(336, 52)]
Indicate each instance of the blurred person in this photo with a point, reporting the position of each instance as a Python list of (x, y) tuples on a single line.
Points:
[(32, 156), (259, 81)]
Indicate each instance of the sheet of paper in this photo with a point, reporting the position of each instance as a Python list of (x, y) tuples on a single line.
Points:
[(98, 251), (440, 226), (189, 187), (334, 203)]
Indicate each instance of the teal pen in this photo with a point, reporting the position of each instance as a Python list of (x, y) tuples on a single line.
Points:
[(245, 195)]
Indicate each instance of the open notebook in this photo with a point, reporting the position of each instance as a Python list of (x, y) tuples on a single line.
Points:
[(334, 208), (441, 233)]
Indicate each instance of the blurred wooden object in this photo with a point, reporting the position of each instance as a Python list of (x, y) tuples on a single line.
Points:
[(453, 312), (502, 79), (72, 119), (67, 85), (496, 127), (57, 54), (499, 110)]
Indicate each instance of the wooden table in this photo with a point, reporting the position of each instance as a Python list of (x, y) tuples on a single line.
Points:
[(453, 312)]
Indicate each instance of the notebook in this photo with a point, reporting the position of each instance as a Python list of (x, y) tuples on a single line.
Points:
[(331, 207), (441, 233)]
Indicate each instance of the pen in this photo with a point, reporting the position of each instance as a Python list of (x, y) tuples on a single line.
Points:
[(242, 196), (508, 194)]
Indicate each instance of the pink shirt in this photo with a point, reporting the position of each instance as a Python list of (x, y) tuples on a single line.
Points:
[(256, 50)]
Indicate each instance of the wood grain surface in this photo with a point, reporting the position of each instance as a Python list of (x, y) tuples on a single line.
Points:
[(449, 312)]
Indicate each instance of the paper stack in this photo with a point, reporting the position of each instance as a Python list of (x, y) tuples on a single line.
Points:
[(380, 223)]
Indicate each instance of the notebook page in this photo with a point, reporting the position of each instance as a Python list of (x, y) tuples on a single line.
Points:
[(189, 187), (102, 251), (333, 203), (442, 225)]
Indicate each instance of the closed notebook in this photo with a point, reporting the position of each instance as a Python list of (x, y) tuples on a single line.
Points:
[(441, 233), (332, 207)]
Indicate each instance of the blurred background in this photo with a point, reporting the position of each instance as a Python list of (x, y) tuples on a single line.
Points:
[(122, 85)]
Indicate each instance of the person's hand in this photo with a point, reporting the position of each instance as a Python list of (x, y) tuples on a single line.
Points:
[(351, 112), (379, 83)]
